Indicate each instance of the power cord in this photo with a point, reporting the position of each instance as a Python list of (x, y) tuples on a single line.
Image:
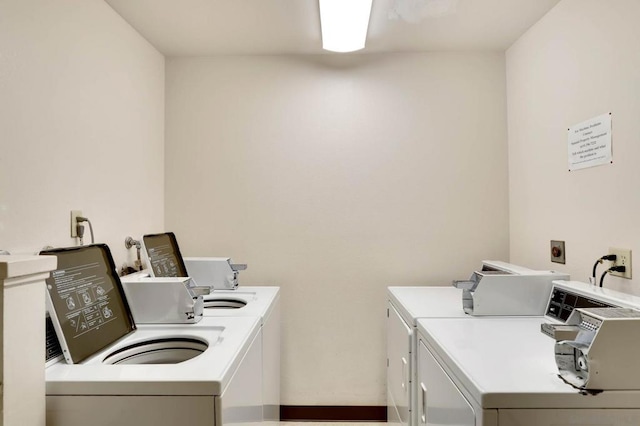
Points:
[(620, 268), (611, 257), (80, 232), (80, 219)]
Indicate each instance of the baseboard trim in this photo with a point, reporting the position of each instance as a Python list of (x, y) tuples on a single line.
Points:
[(333, 413)]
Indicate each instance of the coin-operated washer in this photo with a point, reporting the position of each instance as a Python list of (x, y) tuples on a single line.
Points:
[(163, 258), (118, 373), (22, 314)]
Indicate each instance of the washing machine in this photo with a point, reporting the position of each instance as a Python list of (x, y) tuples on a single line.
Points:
[(261, 302), (162, 257), (506, 290), (114, 372), (502, 371)]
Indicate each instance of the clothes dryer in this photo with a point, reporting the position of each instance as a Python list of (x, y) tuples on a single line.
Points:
[(209, 373), (502, 371), (507, 286)]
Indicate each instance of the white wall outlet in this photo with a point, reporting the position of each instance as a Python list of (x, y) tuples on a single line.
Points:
[(74, 215), (623, 259)]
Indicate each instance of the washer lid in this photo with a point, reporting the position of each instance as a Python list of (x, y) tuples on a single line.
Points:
[(164, 255), (86, 301)]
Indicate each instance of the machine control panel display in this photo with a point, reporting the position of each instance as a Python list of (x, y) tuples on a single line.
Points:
[(164, 255), (563, 302), (86, 301)]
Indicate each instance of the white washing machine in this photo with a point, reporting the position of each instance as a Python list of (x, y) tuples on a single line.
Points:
[(162, 256), (209, 373), (406, 305), (502, 371), (262, 302)]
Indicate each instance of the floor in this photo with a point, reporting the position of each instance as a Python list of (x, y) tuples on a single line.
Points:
[(332, 423)]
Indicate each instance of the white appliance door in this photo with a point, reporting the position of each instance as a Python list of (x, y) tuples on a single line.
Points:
[(399, 336), (440, 402), (241, 403), (271, 365), (568, 417)]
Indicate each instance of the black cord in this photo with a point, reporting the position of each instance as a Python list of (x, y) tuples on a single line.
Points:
[(91, 232), (595, 265), (611, 257), (619, 268), (86, 219), (80, 232), (603, 275)]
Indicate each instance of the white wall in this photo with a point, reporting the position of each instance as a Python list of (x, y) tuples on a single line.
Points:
[(335, 177), (581, 60), (81, 125)]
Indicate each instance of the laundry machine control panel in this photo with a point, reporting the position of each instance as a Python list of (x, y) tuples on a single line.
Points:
[(562, 303)]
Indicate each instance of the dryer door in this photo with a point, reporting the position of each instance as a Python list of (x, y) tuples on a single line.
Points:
[(440, 402), (399, 336)]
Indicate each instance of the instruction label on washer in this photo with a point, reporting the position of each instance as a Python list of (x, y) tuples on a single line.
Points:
[(164, 261), (590, 143), (82, 294)]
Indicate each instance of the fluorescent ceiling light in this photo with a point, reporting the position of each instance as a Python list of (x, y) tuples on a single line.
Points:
[(344, 24)]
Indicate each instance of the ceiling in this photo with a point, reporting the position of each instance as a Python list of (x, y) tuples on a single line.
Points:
[(267, 27)]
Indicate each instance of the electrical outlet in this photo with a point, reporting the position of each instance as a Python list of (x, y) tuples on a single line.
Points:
[(74, 215), (623, 259), (557, 252)]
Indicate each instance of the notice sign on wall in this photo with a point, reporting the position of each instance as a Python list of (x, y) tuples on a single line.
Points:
[(590, 143)]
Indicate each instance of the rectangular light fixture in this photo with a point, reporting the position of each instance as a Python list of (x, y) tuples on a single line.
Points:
[(344, 24)]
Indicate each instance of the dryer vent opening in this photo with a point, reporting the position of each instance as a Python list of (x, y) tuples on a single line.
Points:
[(224, 303), (158, 351)]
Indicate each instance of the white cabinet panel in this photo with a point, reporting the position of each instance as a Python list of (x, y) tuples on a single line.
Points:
[(398, 359), (241, 402), (563, 417), (271, 364), (130, 410), (439, 400)]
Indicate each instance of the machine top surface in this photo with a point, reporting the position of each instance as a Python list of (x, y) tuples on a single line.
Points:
[(509, 363), (426, 302), (447, 301), (255, 301), (206, 374), (259, 301)]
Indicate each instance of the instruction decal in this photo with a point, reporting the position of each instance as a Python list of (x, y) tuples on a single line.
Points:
[(84, 291)]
